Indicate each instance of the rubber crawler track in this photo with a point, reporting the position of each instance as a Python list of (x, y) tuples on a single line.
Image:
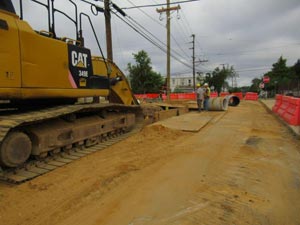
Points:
[(34, 168)]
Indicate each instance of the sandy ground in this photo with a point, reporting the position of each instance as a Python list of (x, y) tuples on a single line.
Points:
[(242, 167)]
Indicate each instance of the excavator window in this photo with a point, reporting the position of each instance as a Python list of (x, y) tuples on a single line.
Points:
[(3, 25), (7, 6)]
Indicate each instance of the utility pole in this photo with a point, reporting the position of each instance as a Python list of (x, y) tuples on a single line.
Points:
[(193, 48), (167, 10), (199, 61), (108, 30)]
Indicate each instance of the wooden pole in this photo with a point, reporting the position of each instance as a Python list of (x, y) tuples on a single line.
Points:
[(108, 30), (167, 10)]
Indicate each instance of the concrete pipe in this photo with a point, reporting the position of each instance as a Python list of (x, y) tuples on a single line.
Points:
[(218, 104), (233, 100)]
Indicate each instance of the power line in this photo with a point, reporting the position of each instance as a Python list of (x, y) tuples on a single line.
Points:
[(248, 69), (176, 42), (185, 53), (186, 21), (162, 4), (148, 15), (155, 36), (253, 51), (143, 34), (253, 69), (184, 36), (187, 26), (185, 33), (151, 34)]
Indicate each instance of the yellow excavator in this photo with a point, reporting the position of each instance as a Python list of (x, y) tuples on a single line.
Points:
[(43, 78)]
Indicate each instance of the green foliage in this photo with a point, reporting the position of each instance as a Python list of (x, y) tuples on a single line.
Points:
[(255, 85), (279, 72), (178, 90), (218, 77), (245, 89), (281, 76), (143, 79), (236, 89), (296, 69)]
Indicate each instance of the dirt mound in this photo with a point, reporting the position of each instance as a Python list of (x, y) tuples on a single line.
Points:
[(159, 131)]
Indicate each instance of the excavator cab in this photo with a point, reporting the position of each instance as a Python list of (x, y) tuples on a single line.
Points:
[(7, 6)]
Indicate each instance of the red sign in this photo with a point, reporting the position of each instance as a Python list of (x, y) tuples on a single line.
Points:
[(266, 79)]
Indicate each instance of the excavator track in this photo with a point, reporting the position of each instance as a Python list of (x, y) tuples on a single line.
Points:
[(38, 166)]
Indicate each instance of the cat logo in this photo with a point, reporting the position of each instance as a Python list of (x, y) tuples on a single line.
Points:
[(79, 59)]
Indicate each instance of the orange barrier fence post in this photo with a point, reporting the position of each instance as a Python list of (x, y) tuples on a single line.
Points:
[(152, 95), (223, 94), (191, 96), (182, 96), (141, 96), (284, 105), (251, 96), (292, 112), (278, 103), (238, 94), (173, 96), (214, 94)]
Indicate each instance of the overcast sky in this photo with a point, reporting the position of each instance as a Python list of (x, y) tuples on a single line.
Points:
[(249, 35)]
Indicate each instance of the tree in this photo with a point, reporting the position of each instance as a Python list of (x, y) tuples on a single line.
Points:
[(143, 79), (280, 68), (280, 72), (255, 85), (282, 77), (232, 74), (296, 70), (218, 77)]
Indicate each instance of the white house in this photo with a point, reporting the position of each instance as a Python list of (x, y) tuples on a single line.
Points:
[(183, 83)]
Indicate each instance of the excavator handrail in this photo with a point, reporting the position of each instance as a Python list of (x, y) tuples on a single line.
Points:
[(75, 21), (96, 38), (42, 4)]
